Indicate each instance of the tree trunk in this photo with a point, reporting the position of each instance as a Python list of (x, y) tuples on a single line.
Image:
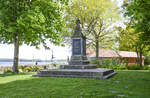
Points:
[(140, 51), (16, 53), (97, 48), (138, 59)]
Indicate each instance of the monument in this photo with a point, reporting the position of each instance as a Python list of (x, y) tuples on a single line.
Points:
[(78, 65)]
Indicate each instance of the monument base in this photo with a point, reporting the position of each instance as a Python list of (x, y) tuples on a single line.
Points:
[(89, 66), (79, 60), (79, 72)]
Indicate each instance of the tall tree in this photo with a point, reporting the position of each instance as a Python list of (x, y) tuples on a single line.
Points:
[(31, 22), (129, 40), (138, 12), (97, 17)]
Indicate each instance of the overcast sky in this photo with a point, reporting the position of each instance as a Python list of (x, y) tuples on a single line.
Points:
[(27, 52)]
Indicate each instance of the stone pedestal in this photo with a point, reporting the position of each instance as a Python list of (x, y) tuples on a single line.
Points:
[(90, 66), (79, 65)]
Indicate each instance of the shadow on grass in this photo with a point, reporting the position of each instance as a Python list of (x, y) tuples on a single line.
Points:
[(125, 83), (13, 74)]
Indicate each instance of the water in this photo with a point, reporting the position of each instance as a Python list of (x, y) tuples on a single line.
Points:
[(23, 63), (29, 63)]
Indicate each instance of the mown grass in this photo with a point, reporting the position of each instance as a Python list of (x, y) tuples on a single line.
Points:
[(126, 84)]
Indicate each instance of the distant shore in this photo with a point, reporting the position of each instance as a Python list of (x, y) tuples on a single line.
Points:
[(8, 65), (9, 62), (24, 63)]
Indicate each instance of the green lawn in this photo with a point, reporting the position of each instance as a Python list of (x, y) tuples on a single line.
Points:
[(128, 84)]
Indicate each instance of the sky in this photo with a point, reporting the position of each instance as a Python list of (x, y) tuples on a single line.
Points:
[(27, 52)]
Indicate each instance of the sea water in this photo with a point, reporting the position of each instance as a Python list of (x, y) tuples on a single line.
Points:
[(24, 63), (30, 63)]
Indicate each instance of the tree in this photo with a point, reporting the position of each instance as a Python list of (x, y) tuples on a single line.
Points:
[(97, 17), (138, 12), (129, 40), (31, 22)]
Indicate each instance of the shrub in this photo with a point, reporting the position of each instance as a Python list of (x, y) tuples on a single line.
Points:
[(134, 67), (145, 67), (7, 71), (108, 61), (102, 66), (36, 68), (121, 67), (20, 70), (147, 59), (27, 69), (94, 62), (125, 67)]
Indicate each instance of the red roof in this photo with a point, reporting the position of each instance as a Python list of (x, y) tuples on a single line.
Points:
[(111, 53)]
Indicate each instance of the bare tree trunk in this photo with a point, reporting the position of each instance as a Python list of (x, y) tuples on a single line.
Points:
[(16, 53), (140, 50), (97, 48)]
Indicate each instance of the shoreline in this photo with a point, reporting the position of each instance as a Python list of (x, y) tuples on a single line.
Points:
[(9, 67)]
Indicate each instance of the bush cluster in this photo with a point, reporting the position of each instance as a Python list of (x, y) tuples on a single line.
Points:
[(8, 71), (23, 68), (29, 68), (125, 67), (115, 66)]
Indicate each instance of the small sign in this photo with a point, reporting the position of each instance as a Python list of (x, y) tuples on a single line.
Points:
[(76, 46)]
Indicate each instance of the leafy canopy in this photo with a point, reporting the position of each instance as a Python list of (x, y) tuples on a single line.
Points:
[(34, 21), (139, 11), (97, 16)]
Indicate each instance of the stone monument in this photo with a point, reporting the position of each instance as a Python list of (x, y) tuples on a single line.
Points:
[(78, 65), (78, 47)]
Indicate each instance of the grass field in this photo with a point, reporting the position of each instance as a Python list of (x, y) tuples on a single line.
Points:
[(125, 84)]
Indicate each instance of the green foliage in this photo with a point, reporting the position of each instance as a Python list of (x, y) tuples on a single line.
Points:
[(7, 71), (36, 68), (34, 22), (31, 68), (94, 62), (31, 22), (121, 67), (115, 67), (134, 67), (110, 61), (147, 59), (146, 67), (125, 67), (20, 70), (27, 69), (138, 12), (127, 38), (97, 17)]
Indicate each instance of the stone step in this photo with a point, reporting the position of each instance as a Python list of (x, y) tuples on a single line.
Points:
[(80, 73), (78, 62)]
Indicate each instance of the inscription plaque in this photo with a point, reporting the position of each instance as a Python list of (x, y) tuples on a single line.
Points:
[(76, 46)]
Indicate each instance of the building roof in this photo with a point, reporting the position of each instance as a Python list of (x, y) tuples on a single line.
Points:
[(111, 53)]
